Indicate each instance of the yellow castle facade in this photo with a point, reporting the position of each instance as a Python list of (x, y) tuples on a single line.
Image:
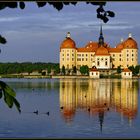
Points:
[(99, 54)]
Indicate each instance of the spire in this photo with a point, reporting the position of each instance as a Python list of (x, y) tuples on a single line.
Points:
[(101, 38), (129, 35), (68, 35)]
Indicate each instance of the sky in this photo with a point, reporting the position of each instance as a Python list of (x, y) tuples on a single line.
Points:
[(35, 34)]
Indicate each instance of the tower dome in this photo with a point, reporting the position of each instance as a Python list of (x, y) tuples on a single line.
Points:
[(130, 43), (102, 51), (68, 43)]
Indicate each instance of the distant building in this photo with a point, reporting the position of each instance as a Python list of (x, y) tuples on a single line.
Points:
[(94, 73), (99, 54), (126, 73)]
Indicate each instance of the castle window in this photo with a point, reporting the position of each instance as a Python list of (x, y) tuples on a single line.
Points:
[(120, 59), (72, 51), (67, 59), (62, 54), (127, 59), (96, 73), (82, 54), (86, 59), (132, 50), (106, 63), (72, 59), (91, 59), (72, 54), (67, 54), (67, 66), (98, 63), (127, 65), (124, 73), (129, 73), (132, 59), (82, 59), (127, 50), (98, 59), (62, 59), (78, 59), (91, 54), (106, 59), (120, 55), (113, 55), (102, 59), (132, 54), (127, 54)]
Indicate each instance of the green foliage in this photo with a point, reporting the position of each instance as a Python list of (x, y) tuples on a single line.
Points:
[(74, 69), (102, 14), (9, 95), (119, 69), (63, 70), (49, 69), (135, 70), (57, 69), (10, 68), (84, 69), (2, 40)]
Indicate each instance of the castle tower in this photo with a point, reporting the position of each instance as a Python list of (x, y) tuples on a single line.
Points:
[(68, 53)]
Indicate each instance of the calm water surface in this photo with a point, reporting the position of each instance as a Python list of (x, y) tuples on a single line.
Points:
[(78, 108)]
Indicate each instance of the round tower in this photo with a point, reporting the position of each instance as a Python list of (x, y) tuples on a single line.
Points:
[(68, 53)]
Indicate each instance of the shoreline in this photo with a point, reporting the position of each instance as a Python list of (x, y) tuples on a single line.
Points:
[(62, 77)]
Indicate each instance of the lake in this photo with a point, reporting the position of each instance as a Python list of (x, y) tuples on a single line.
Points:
[(72, 108)]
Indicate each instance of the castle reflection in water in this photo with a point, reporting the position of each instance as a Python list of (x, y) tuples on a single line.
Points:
[(98, 97)]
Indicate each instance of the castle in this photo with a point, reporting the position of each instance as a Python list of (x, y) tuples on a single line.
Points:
[(99, 54)]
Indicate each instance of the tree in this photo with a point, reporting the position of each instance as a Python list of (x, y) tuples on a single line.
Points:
[(84, 69), (132, 69), (137, 68), (49, 69), (74, 69), (119, 69), (56, 69), (63, 70)]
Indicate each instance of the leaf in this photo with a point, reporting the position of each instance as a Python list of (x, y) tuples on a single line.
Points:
[(2, 40), (6, 89), (11, 4), (74, 3), (105, 19), (58, 5), (9, 100), (66, 3), (0, 93), (2, 5), (17, 104), (41, 4), (22, 5), (110, 13), (9, 95)]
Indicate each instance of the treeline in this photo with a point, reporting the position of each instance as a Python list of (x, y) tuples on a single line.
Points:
[(10, 68)]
